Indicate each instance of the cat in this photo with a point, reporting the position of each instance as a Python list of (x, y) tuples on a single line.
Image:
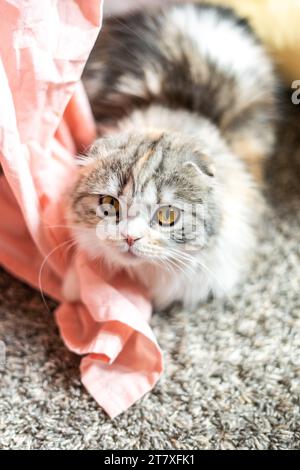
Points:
[(171, 195)]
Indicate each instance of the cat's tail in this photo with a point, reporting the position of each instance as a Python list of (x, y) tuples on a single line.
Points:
[(201, 58)]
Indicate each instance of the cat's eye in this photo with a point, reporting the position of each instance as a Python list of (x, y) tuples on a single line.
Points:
[(109, 206), (167, 216)]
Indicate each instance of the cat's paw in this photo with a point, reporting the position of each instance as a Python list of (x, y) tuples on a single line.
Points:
[(71, 288)]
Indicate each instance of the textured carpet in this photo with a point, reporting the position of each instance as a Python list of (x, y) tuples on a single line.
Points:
[(232, 375)]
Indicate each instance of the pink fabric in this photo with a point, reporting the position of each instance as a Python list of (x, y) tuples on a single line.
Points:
[(44, 46)]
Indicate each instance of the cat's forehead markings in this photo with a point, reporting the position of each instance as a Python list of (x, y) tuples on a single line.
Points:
[(128, 190), (150, 169), (155, 137), (149, 193), (143, 159), (113, 184), (142, 171)]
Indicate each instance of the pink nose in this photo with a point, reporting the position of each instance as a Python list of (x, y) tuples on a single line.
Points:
[(130, 240)]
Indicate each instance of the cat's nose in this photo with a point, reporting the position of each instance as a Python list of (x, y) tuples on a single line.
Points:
[(131, 240)]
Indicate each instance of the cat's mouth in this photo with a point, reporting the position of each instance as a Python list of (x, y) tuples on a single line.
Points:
[(136, 253), (129, 253)]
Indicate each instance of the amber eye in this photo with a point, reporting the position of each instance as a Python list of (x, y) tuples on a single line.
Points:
[(167, 215), (109, 206)]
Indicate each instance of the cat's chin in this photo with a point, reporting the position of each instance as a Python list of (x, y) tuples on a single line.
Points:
[(131, 258), (123, 259)]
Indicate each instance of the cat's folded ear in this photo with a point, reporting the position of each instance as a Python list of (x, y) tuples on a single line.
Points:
[(201, 166), (103, 148)]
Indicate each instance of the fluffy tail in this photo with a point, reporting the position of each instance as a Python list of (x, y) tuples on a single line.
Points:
[(201, 58)]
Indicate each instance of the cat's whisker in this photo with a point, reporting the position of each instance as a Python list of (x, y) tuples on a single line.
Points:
[(182, 267), (202, 265), (69, 244), (177, 142), (164, 264)]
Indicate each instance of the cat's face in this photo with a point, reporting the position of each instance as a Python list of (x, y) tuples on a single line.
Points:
[(144, 198)]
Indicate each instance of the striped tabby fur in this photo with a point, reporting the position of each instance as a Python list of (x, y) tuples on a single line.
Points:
[(190, 96)]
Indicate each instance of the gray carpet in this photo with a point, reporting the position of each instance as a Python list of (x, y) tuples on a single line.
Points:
[(232, 377)]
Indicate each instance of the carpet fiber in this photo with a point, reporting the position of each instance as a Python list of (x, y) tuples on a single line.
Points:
[(232, 378)]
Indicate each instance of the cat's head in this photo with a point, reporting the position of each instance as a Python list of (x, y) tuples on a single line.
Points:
[(144, 198)]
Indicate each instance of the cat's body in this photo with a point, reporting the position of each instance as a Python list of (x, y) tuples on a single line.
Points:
[(190, 94)]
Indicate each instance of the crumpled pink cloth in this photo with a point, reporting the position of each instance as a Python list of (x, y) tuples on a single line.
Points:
[(44, 46)]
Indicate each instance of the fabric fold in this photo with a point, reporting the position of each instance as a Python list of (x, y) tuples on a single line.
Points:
[(44, 119)]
